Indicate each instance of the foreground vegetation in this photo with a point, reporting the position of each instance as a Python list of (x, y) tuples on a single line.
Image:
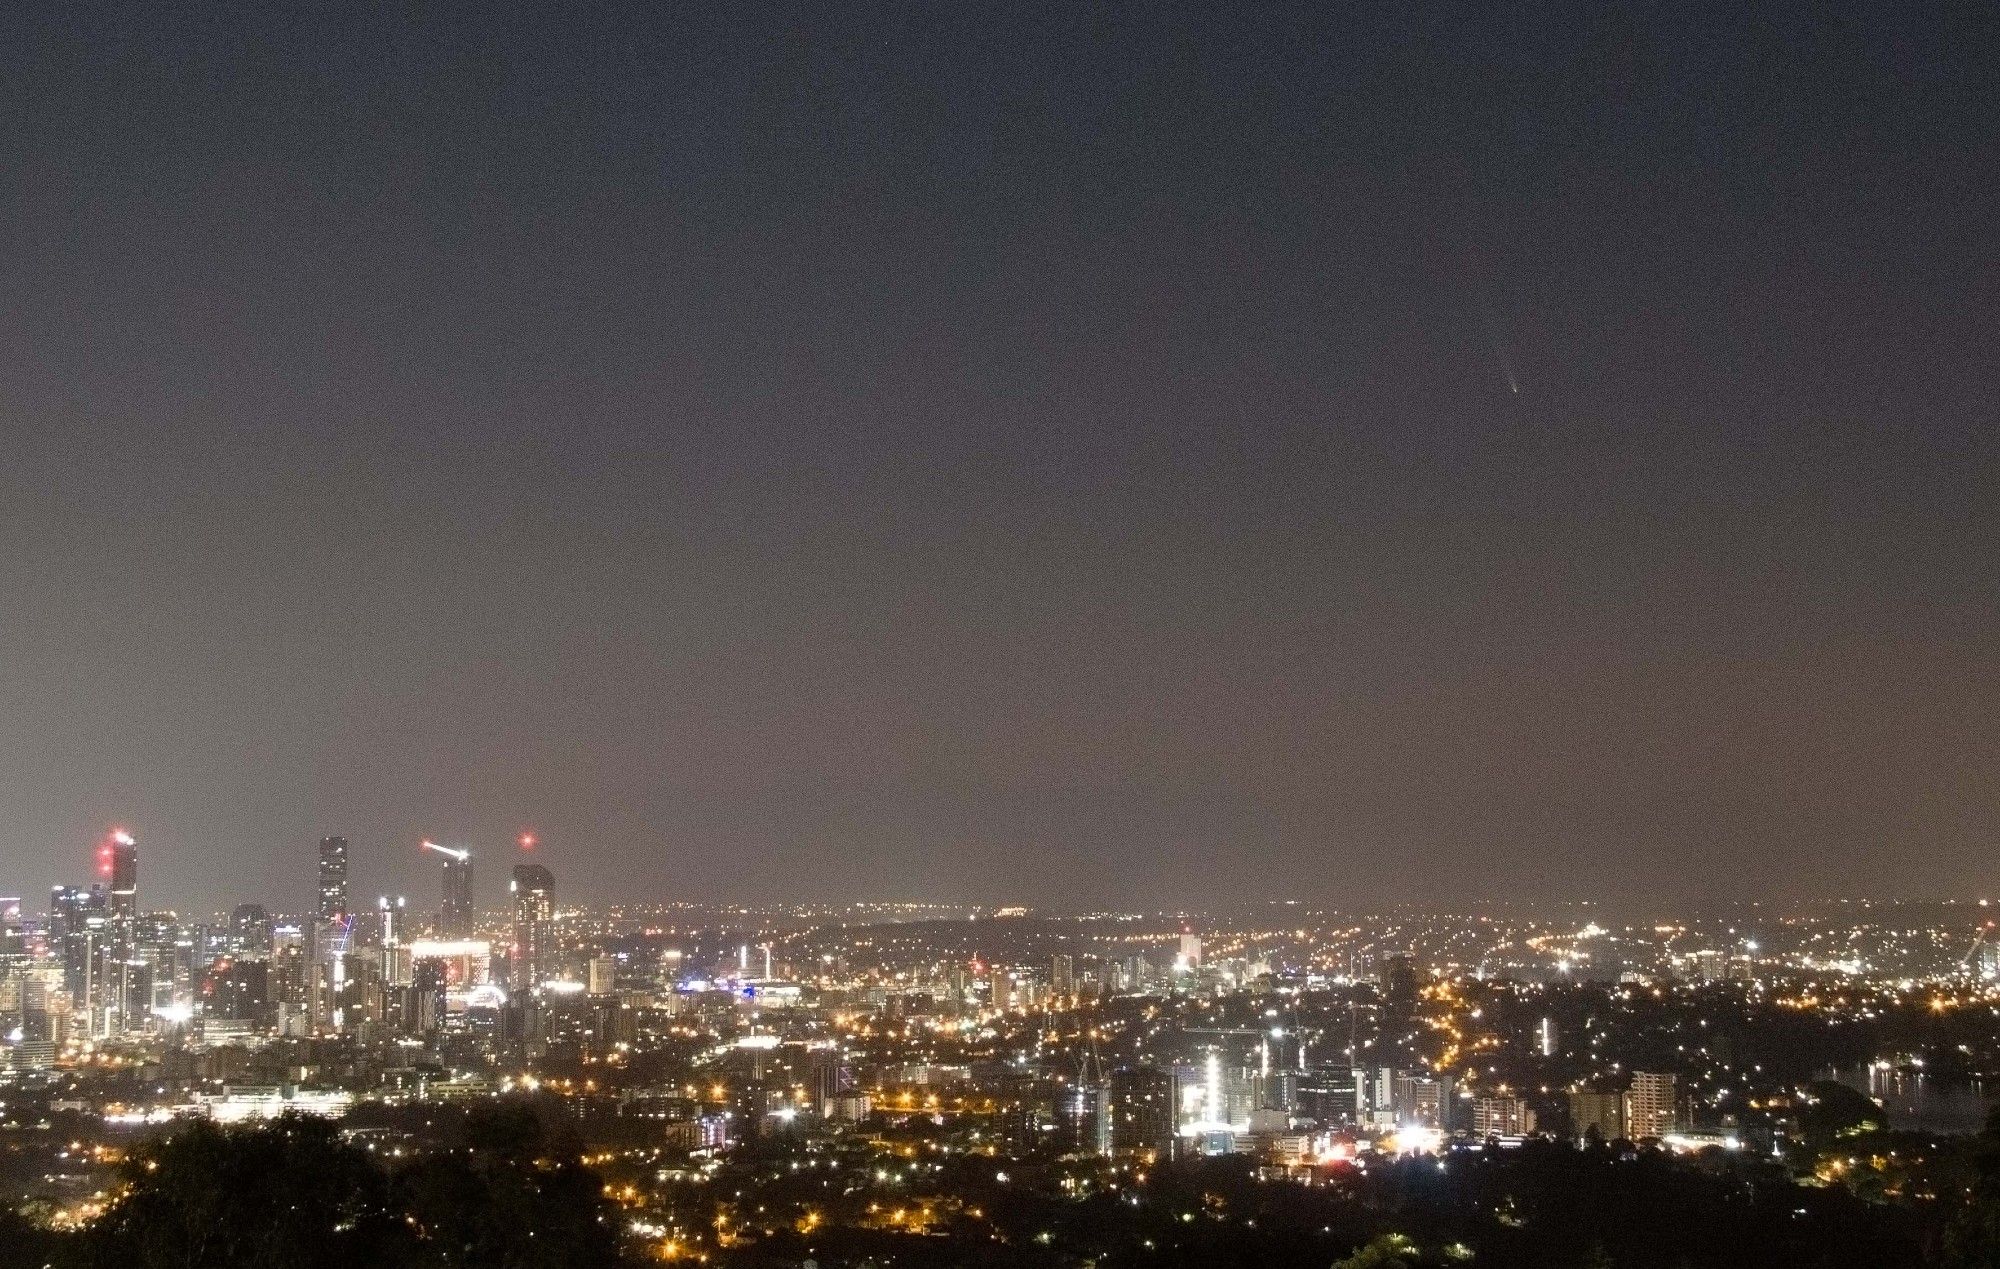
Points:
[(507, 1190), (293, 1195)]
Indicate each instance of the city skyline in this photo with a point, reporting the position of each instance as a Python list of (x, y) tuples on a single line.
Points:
[(442, 885)]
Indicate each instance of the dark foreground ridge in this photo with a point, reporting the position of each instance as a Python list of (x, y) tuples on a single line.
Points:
[(507, 1188)]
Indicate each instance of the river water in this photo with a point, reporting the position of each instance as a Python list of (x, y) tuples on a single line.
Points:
[(1919, 1103)]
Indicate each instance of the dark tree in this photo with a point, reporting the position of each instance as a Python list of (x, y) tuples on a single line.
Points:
[(512, 1197), (288, 1195), (1973, 1240), (1837, 1111)]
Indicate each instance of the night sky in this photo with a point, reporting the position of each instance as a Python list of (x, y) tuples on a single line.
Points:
[(1059, 454)]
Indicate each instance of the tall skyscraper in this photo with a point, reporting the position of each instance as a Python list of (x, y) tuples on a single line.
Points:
[(455, 912), (77, 924), (118, 860), (116, 984), (333, 878), (534, 889)]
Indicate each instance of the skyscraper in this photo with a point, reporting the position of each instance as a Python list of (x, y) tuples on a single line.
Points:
[(455, 911), (119, 861), (1190, 954), (534, 889), (117, 985), (1142, 1111), (332, 878), (250, 930), (331, 931), (1396, 978), (1062, 975), (76, 927)]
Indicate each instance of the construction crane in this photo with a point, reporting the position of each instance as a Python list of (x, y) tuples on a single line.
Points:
[(449, 852)]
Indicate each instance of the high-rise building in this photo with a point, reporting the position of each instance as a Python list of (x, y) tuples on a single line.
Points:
[(1501, 1117), (1710, 966), (250, 930), (1062, 975), (828, 1078), (1651, 1106), (238, 990), (455, 910), (393, 940), (534, 889), (1332, 1095), (602, 976), (1083, 1109), (1421, 1099), (1601, 1113), (1547, 1038), (333, 878), (1396, 976), (117, 990), (1142, 1111), (331, 938), (77, 924), (118, 860), (455, 916), (1190, 952)]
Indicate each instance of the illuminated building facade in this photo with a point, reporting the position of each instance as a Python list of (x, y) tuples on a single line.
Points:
[(534, 890), (1651, 1106), (121, 858), (455, 913), (1501, 1117), (1142, 1111), (333, 878)]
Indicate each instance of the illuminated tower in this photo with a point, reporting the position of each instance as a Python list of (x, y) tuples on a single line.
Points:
[(395, 961), (1190, 957), (455, 914), (118, 860), (331, 932), (113, 984), (332, 878), (76, 933), (534, 889)]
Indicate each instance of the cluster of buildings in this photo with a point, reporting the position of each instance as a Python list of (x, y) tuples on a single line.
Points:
[(96, 972)]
